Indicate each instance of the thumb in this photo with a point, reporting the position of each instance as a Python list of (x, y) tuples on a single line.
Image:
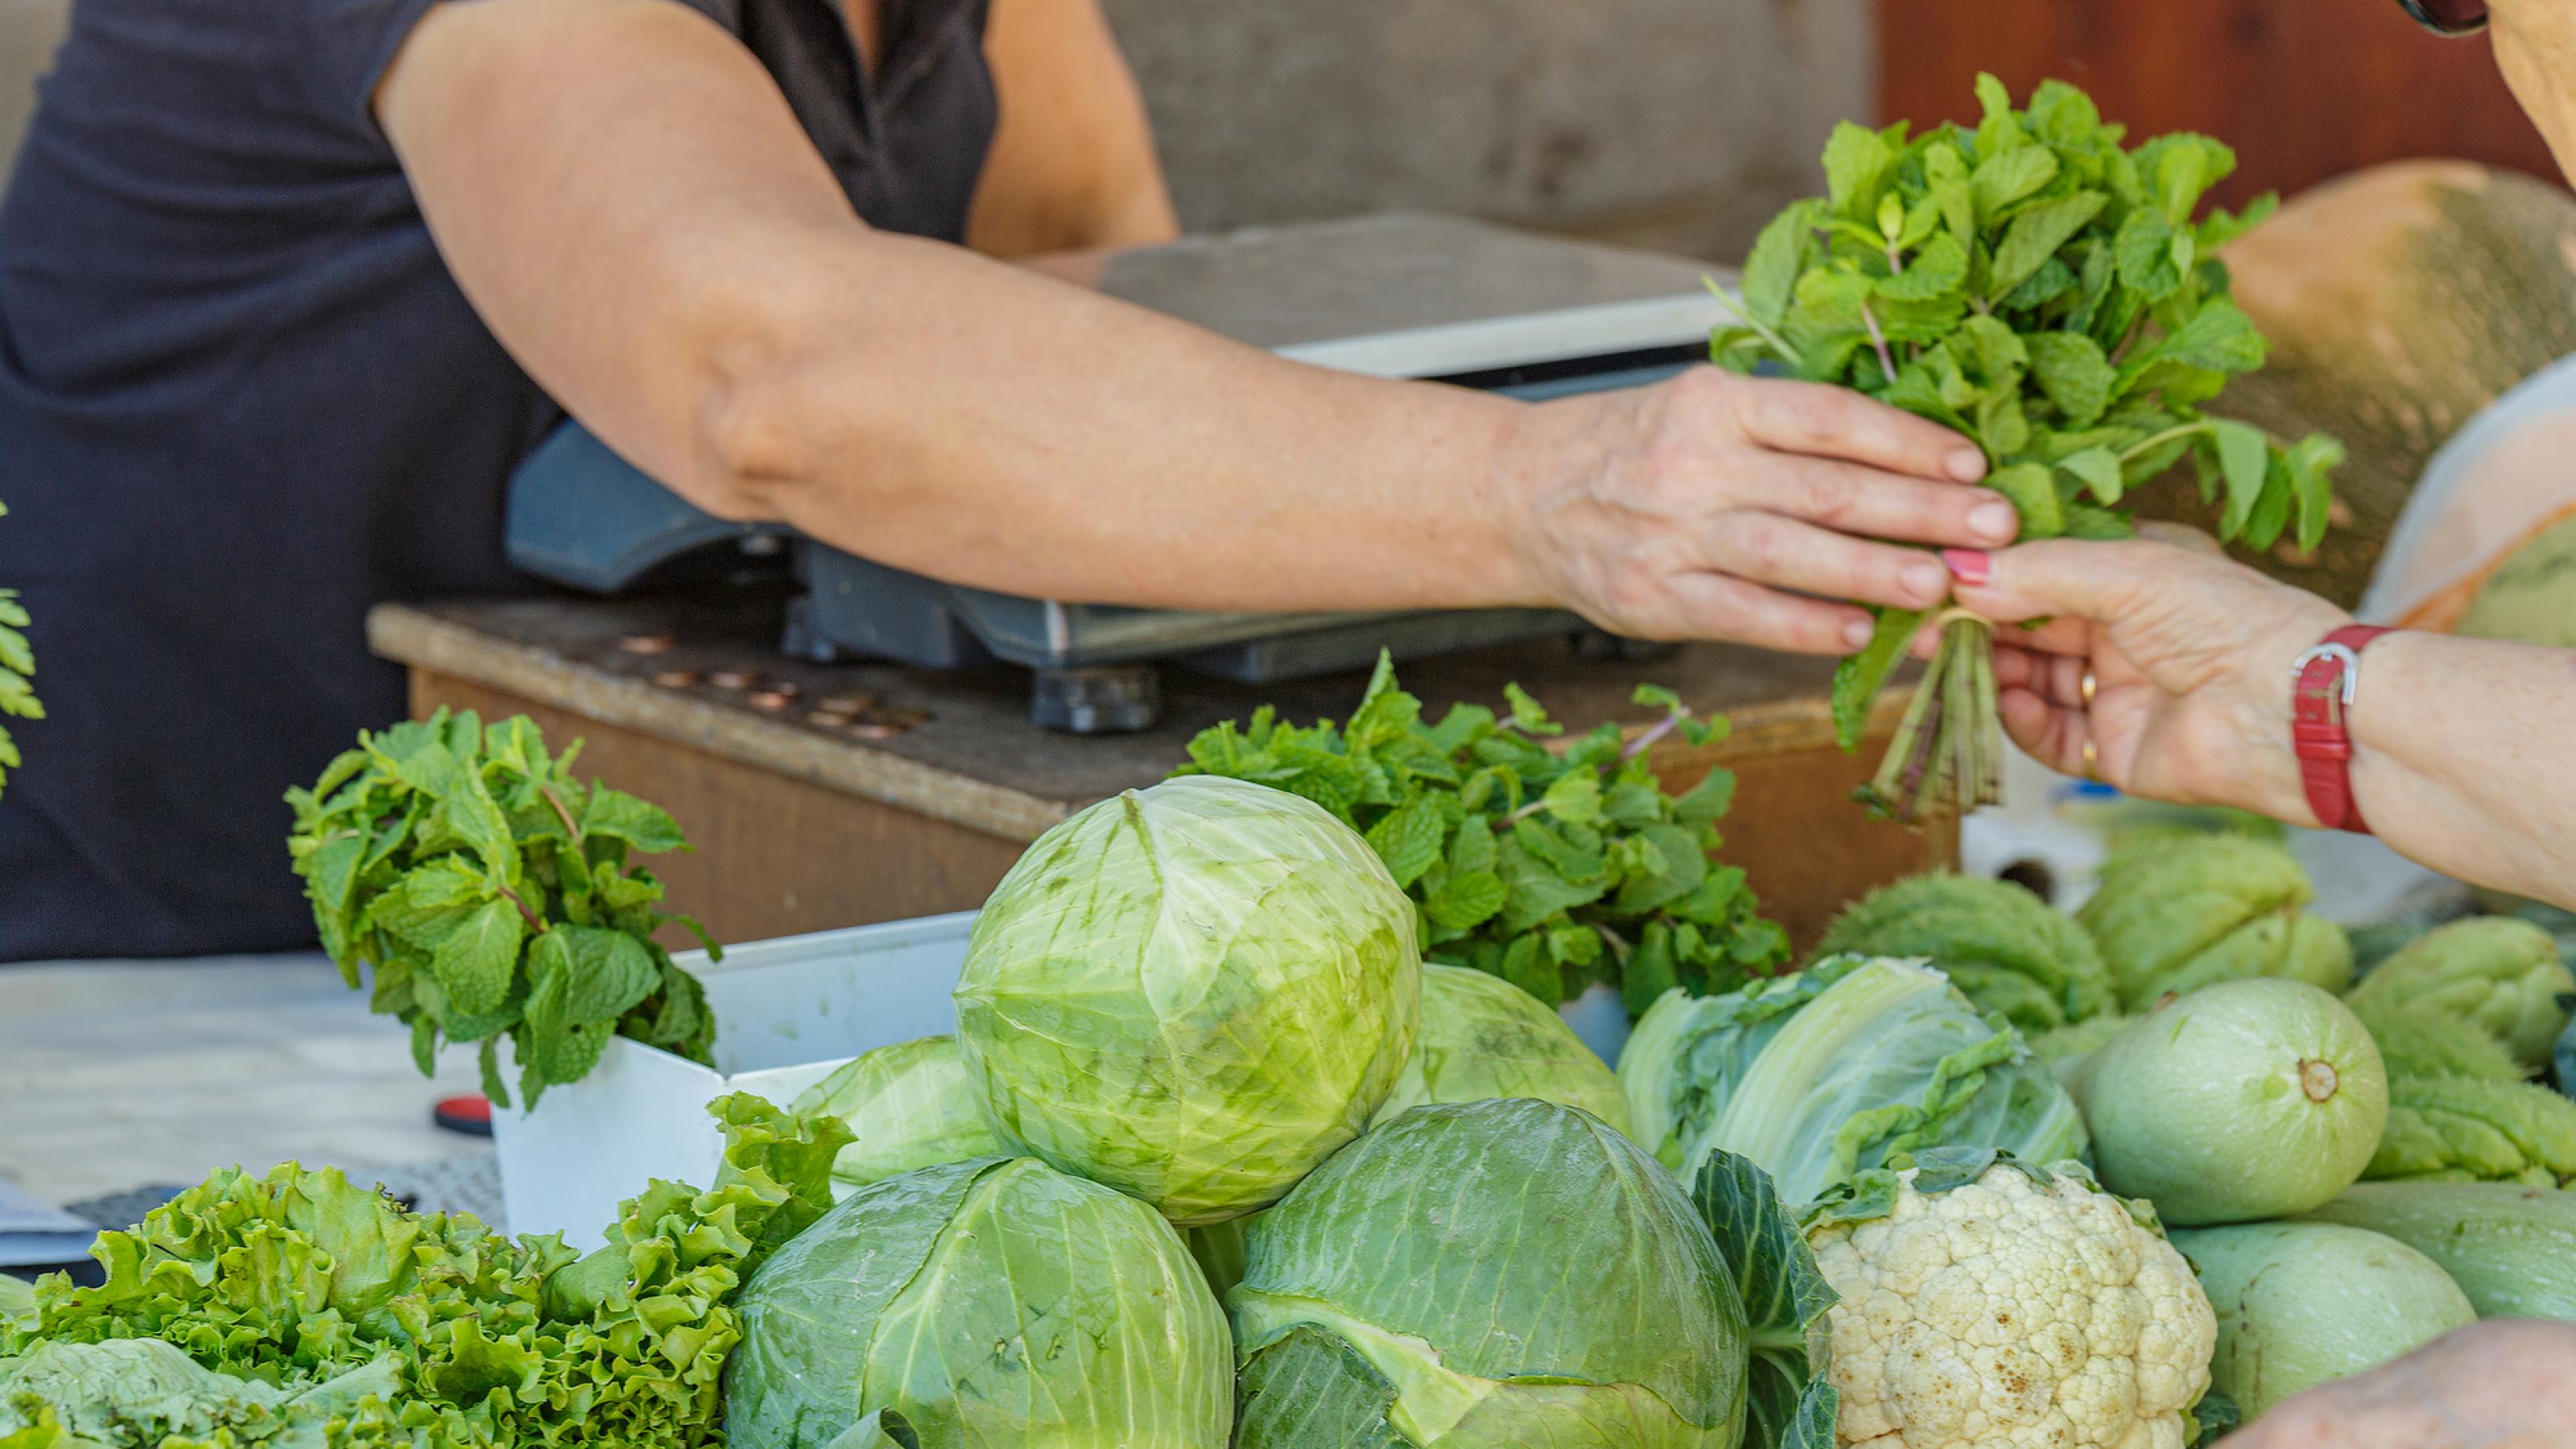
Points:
[(2061, 578)]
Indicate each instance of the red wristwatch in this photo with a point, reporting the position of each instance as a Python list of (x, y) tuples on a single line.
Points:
[(2324, 682)]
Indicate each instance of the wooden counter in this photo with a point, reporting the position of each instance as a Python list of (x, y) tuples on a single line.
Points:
[(920, 802)]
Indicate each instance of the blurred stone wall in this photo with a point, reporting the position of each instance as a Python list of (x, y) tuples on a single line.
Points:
[(1675, 124)]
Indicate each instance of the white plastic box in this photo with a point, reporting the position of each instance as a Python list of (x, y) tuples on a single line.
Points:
[(787, 1012)]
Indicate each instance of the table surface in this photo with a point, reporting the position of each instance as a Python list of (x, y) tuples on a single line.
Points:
[(969, 754), (117, 1075)]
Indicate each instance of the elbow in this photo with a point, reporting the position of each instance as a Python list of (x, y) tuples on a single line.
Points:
[(753, 445)]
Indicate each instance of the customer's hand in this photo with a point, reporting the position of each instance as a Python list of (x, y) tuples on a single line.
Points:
[(1707, 506), (2494, 1385), (2190, 655)]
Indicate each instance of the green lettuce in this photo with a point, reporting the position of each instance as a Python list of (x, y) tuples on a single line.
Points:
[(1851, 1064), (298, 1279)]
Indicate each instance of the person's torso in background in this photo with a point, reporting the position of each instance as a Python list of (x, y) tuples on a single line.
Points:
[(241, 400)]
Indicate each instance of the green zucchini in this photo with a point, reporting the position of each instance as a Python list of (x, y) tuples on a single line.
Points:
[(2511, 1248)]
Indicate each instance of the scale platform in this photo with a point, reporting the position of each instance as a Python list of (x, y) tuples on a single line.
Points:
[(1409, 296)]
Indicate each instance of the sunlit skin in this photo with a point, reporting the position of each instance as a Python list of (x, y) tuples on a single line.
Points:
[(627, 201)]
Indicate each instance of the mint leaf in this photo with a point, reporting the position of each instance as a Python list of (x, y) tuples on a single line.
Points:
[(1408, 838), (641, 824), (1857, 160), (474, 962), (2033, 492), (2074, 375), (2036, 234), (1999, 181), (2099, 471), (2244, 459), (1467, 901), (1784, 250)]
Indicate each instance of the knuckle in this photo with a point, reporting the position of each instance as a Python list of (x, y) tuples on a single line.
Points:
[(1832, 496)]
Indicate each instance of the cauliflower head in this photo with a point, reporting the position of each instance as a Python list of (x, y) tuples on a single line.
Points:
[(1988, 1303)]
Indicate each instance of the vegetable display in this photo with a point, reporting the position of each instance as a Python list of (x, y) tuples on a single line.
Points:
[(1415, 1290), (1984, 1300), (2177, 915), (2002, 946), (1192, 993), (1553, 868), (2505, 975), (2299, 1304), (907, 1105), (2467, 1128), (17, 665), (1846, 1066), (2049, 294), (491, 893), (304, 1302), (1484, 1037), (2512, 1249), (992, 1302), (2250, 1099)]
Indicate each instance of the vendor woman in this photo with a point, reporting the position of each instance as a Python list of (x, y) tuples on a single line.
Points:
[(288, 288)]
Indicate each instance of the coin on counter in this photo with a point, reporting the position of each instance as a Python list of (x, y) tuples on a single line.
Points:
[(772, 700), (830, 719), (646, 643), (847, 703), (676, 678), (733, 678)]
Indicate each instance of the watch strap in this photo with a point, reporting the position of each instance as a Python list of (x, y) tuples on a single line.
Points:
[(2327, 679)]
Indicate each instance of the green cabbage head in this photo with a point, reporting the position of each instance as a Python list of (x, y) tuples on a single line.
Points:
[(1835, 1070), (907, 1105), (988, 1303), (1495, 1273), (1192, 993), (1484, 1037)]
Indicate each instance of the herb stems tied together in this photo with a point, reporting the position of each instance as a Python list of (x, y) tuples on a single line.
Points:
[(2047, 292)]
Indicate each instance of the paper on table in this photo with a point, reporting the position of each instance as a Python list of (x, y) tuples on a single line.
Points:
[(33, 1232)]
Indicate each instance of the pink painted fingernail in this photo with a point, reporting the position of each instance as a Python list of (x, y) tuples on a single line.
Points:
[(1967, 465), (1969, 566)]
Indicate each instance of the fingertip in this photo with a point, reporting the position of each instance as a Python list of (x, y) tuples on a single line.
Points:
[(1994, 520), (1857, 632), (1966, 465)]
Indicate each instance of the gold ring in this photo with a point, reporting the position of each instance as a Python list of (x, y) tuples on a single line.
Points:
[(2086, 688), (2092, 760)]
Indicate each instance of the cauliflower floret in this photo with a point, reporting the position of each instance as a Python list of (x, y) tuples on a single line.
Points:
[(2020, 1309)]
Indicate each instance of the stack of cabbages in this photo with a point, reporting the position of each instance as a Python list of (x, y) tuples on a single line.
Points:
[(1214, 1157), (1200, 1010)]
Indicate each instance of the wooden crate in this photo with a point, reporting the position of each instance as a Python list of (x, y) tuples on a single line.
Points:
[(804, 826)]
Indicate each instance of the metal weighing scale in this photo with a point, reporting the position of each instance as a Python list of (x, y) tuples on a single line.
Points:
[(1406, 296)]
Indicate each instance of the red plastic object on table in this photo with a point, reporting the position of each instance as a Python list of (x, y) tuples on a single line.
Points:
[(471, 1115)]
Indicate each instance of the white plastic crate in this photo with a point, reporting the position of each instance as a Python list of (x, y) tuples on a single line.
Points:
[(787, 1012)]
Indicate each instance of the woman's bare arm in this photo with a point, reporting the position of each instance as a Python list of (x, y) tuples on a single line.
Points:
[(2462, 758), (627, 201), (1073, 165)]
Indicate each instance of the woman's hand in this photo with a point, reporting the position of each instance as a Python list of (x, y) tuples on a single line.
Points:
[(2190, 656), (2494, 1385), (1705, 507)]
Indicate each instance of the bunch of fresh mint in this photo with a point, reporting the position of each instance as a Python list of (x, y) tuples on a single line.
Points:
[(1551, 868), (2047, 292), (17, 662), (491, 892)]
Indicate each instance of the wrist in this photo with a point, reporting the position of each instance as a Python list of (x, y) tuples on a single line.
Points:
[(1547, 455), (2275, 783)]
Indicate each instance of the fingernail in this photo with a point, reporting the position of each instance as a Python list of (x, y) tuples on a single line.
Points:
[(1857, 633), (1994, 520), (1967, 465), (1969, 566), (1923, 581)]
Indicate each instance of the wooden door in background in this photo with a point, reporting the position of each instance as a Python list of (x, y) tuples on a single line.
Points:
[(2303, 89)]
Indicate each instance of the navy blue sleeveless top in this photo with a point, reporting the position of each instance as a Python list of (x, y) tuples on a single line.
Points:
[(242, 400)]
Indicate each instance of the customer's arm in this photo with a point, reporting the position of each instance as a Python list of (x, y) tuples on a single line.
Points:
[(631, 207), (2502, 1384), (2462, 746)]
